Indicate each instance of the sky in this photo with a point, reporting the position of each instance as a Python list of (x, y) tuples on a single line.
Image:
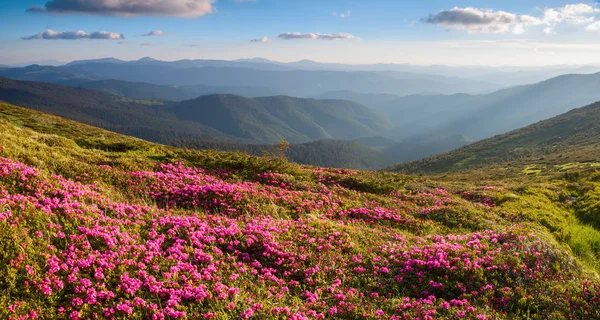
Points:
[(457, 33)]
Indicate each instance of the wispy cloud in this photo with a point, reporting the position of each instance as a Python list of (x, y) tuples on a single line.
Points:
[(155, 33), (593, 27), (175, 8), (261, 39), (343, 15), (475, 20), (315, 36), (75, 35)]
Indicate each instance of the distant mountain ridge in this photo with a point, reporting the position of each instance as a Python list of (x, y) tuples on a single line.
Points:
[(142, 90), (500, 76), (571, 137), (482, 116), (294, 82)]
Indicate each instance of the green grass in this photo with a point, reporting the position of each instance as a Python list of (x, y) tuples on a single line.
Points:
[(72, 149)]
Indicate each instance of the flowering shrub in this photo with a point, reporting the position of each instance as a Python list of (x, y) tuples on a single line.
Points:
[(183, 242)]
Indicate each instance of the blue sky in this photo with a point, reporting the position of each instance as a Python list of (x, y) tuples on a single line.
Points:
[(509, 32)]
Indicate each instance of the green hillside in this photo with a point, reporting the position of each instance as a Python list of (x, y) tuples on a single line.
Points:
[(570, 137), (96, 224), (270, 119), (132, 117)]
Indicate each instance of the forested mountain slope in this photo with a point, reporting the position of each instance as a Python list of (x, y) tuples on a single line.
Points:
[(270, 119)]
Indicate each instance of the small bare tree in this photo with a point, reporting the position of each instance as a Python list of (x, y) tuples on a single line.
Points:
[(281, 149)]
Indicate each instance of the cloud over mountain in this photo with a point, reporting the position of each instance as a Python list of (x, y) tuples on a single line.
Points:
[(155, 33), (261, 39), (315, 36), (175, 8), (75, 35), (475, 20)]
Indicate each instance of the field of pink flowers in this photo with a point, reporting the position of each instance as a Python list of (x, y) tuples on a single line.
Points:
[(183, 242)]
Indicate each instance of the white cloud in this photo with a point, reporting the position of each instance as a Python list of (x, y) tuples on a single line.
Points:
[(261, 39), (474, 20), (176, 8), (297, 35), (593, 27), (335, 36), (572, 13), (155, 33), (75, 35), (315, 36), (549, 30), (343, 15)]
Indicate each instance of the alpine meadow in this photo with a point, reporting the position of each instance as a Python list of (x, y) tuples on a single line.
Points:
[(271, 159)]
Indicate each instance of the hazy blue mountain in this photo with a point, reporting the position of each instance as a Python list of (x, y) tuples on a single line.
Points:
[(421, 147), (378, 143), (52, 63), (420, 114), (142, 90), (201, 63), (530, 75), (103, 60), (296, 83), (220, 73), (517, 107), (43, 74), (482, 116), (367, 99), (479, 77), (497, 76)]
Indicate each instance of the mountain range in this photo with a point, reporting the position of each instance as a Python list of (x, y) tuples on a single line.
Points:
[(142, 90), (259, 120), (248, 125), (483, 116), (572, 137), (301, 83), (242, 105)]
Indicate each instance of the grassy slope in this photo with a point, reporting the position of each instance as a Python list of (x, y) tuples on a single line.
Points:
[(571, 137), (365, 213)]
